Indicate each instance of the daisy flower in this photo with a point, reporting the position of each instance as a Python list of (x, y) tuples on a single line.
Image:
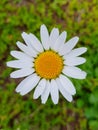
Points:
[(47, 64)]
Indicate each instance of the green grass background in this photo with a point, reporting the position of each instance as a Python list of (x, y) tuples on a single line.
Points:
[(77, 17)]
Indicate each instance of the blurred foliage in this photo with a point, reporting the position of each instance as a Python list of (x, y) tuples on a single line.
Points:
[(77, 17)]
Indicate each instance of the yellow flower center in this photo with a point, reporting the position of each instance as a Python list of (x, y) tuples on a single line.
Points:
[(48, 64)]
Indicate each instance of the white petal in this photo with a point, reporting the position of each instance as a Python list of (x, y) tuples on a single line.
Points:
[(74, 61), (74, 72), (35, 43), (26, 38), (54, 92), (63, 91), (76, 52), (21, 55), (68, 46), (67, 84), (60, 41), (22, 83), (22, 73), (46, 92), (30, 84), (28, 50), (44, 37), (20, 64), (39, 89), (53, 36)]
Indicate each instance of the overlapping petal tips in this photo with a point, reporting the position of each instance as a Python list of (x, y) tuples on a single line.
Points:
[(32, 41), (26, 49), (75, 52), (63, 91), (35, 43), (46, 92), (68, 46), (25, 37), (59, 41), (40, 89), (28, 84), (67, 84), (20, 55)]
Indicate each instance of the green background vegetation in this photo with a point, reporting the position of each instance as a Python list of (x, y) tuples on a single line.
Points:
[(77, 17)]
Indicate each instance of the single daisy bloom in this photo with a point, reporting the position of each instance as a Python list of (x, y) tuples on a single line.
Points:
[(47, 64)]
